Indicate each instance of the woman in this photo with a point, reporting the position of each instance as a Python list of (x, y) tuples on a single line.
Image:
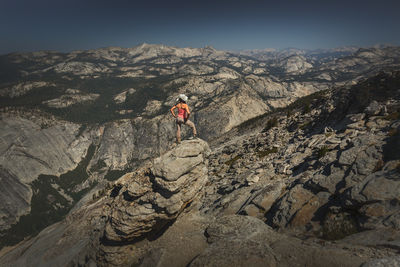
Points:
[(182, 117)]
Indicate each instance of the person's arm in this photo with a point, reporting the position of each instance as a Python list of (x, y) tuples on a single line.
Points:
[(172, 111)]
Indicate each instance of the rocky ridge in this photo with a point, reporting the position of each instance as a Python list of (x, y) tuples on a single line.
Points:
[(316, 183)]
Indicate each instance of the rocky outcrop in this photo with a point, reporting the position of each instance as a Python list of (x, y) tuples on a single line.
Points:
[(232, 237), (331, 180), (121, 97), (159, 196), (318, 165), (245, 241), (385, 262), (79, 68), (295, 64), (70, 99), (375, 198)]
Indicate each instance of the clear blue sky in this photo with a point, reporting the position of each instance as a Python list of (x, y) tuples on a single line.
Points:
[(31, 25)]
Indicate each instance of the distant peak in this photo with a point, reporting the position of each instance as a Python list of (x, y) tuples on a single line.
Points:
[(209, 47)]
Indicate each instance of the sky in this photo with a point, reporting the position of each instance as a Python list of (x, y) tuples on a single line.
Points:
[(66, 25)]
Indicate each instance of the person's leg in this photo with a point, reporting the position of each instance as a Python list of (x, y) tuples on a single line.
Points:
[(178, 131), (191, 125)]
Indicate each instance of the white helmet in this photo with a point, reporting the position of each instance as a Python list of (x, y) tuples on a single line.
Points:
[(183, 97)]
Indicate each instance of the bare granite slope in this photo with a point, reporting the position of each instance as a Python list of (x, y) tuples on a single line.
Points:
[(314, 184), (73, 122)]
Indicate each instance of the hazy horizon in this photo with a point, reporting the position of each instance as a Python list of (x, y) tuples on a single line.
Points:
[(228, 50), (225, 25)]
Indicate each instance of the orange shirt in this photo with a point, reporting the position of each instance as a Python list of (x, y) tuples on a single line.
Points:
[(183, 110)]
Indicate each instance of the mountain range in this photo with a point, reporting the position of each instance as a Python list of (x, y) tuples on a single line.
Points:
[(78, 128)]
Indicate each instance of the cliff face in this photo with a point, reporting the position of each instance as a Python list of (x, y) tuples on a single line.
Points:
[(316, 184), (15, 199), (30, 149)]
